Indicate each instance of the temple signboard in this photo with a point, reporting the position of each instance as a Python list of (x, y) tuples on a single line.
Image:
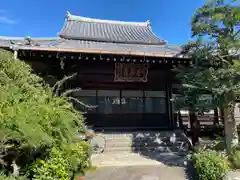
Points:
[(131, 72)]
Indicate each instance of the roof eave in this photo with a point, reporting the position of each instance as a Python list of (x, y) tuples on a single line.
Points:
[(98, 51)]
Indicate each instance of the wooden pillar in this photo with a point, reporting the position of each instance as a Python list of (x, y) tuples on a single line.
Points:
[(168, 90)]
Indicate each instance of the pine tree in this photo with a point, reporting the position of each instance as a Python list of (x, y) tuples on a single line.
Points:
[(215, 65)]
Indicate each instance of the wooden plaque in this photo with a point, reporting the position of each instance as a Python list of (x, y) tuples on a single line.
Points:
[(131, 72)]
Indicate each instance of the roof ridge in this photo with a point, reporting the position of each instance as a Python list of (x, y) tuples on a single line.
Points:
[(71, 17)]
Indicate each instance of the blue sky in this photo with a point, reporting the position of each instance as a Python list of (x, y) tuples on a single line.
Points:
[(170, 19)]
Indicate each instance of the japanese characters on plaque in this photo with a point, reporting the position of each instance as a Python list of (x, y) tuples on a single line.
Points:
[(131, 72)]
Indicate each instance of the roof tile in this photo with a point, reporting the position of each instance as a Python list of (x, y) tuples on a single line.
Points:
[(81, 28)]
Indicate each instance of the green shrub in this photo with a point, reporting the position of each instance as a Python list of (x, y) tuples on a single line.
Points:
[(210, 165), (4, 177), (235, 157), (30, 113), (79, 156), (62, 162), (56, 167), (31, 116), (12, 178)]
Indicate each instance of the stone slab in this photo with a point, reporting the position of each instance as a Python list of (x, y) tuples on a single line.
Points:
[(137, 159), (121, 159), (232, 175), (139, 173)]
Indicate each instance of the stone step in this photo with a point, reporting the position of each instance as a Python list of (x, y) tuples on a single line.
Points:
[(166, 141), (143, 149), (142, 139), (118, 149), (137, 137), (153, 141), (149, 143), (177, 144), (116, 143), (142, 135), (173, 147), (126, 143)]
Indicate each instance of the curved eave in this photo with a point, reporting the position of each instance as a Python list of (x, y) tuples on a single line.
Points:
[(99, 51)]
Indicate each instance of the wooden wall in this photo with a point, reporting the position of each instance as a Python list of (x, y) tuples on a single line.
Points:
[(100, 75)]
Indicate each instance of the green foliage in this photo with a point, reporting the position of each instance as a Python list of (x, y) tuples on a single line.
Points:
[(216, 144), (210, 165), (235, 157), (213, 67), (3, 177), (56, 167), (62, 162), (79, 156), (214, 59), (29, 112), (32, 117)]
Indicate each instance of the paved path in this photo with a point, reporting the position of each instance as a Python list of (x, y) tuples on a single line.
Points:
[(232, 175), (139, 173), (133, 166), (137, 159), (121, 159)]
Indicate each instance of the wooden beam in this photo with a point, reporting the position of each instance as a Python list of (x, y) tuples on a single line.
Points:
[(98, 51)]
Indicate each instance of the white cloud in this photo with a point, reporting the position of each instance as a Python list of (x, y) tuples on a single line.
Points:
[(6, 20)]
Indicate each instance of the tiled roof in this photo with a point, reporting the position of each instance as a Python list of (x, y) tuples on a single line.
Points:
[(20, 41), (56, 44), (80, 44), (81, 28), (90, 46), (88, 35)]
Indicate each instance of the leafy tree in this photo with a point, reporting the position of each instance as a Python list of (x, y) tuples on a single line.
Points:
[(214, 65)]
